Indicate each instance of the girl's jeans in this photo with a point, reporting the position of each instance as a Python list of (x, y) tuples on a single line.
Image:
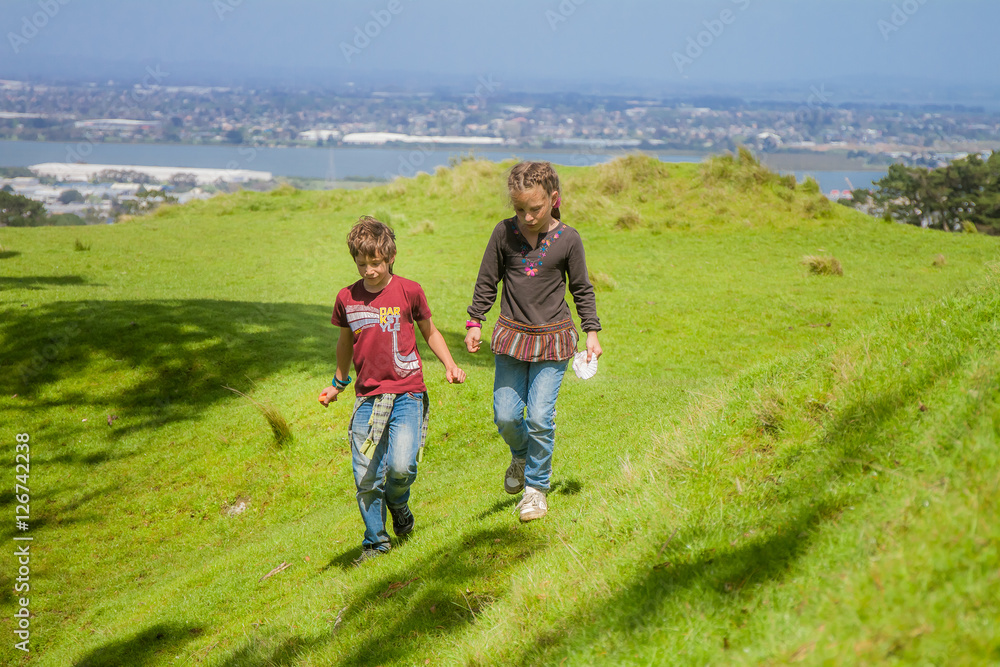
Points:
[(530, 433), (385, 479)]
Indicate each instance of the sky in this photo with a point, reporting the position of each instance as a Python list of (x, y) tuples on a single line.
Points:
[(565, 44)]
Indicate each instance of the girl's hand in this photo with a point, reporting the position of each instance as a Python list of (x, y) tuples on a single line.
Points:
[(473, 339), (327, 395), (593, 346), (455, 375)]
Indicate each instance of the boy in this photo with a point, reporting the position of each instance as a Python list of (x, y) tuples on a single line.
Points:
[(389, 424)]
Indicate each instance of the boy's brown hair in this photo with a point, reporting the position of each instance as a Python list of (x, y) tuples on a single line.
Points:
[(526, 175), (371, 238)]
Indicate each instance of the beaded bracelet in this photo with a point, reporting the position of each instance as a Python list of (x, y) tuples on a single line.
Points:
[(341, 384)]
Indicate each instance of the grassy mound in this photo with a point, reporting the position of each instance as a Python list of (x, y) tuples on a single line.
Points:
[(743, 481), (837, 507)]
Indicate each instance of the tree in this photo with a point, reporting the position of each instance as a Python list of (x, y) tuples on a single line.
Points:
[(860, 196), (955, 197), (895, 195), (70, 196), (985, 194), (19, 211), (234, 136)]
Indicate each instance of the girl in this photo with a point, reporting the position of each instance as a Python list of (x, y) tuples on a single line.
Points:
[(535, 255)]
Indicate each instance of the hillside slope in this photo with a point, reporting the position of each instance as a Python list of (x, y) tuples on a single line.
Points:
[(840, 506), (736, 389)]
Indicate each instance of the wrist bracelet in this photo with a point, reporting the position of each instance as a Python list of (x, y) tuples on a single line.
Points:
[(341, 384), (472, 324)]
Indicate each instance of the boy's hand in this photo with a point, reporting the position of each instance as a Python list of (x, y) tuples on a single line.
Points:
[(455, 375), (473, 339), (327, 395)]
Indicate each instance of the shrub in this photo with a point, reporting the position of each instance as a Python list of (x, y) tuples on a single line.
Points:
[(783, 193), (613, 177), (396, 188), (284, 190), (743, 169), (601, 281), (823, 266), (769, 412), (630, 219), (818, 207), (279, 425), (423, 227), (625, 172), (456, 160)]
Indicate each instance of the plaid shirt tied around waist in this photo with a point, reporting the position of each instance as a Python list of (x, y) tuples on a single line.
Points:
[(381, 411)]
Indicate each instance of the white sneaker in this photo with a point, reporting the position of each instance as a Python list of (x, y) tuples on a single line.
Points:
[(533, 505), (513, 479)]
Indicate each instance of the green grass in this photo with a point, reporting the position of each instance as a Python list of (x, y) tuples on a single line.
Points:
[(770, 466)]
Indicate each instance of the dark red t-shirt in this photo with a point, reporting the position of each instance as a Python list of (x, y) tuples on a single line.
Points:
[(385, 342)]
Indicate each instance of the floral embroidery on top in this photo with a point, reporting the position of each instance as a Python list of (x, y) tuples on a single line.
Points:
[(531, 267)]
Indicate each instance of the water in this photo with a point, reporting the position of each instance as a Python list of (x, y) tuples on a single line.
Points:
[(840, 180), (337, 163)]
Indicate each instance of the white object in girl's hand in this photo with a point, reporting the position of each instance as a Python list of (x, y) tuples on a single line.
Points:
[(583, 370)]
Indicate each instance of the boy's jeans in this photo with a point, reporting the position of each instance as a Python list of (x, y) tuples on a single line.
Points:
[(533, 385), (385, 479)]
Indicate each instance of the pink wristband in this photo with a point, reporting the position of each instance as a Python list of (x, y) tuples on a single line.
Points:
[(472, 324)]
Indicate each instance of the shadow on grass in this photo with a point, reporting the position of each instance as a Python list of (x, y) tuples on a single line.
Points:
[(720, 575), (39, 282), (447, 591), (261, 652), (164, 361), (148, 647), (564, 487), (567, 487), (389, 617), (345, 560), (499, 506), (819, 485), (7, 254)]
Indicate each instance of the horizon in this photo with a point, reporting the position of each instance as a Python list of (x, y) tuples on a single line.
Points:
[(902, 49)]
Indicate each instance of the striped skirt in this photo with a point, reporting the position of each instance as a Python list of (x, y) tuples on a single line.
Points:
[(551, 342)]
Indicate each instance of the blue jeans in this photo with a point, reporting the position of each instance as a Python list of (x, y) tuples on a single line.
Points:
[(524, 410), (385, 479)]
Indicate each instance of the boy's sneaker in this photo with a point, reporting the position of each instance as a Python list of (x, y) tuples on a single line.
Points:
[(368, 554), (513, 479), (402, 520), (533, 505)]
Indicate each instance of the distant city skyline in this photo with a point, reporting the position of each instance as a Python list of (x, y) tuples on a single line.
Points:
[(520, 44)]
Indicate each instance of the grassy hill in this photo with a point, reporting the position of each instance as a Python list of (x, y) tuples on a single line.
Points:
[(771, 465)]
